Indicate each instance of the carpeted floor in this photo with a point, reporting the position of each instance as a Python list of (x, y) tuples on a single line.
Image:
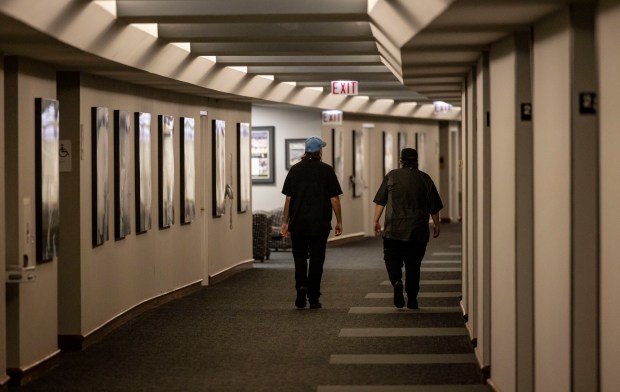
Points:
[(244, 334)]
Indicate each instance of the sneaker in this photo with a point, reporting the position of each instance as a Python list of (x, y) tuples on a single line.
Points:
[(315, 304), (399, 299), (300, 301), (412, 303)]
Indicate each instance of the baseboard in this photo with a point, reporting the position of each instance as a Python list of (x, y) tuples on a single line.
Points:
[(492, 385), (227, 273), (19, 377), (4, 383), (345, 239), (80, 342)]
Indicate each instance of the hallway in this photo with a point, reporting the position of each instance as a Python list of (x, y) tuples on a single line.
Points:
[(244, 334)]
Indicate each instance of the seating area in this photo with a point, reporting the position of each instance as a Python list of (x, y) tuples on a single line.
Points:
[(266, 234)]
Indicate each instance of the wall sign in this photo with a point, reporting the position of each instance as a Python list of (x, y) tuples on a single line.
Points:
[(345, 87)]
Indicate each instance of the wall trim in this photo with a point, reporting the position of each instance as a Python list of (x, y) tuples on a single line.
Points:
[(18, 377), (230, 271), (73, 342), (492, 385)]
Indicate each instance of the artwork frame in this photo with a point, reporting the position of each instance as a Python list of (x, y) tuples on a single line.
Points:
[(244, 177), (188, 169), (122, 156), (100, 177), (219, 167), (402, 141), (165, 147), (263, 155), (47, 178), (388, 152), (358, 164), (294, 149), (420, 142), (338, 153), (142, 170)]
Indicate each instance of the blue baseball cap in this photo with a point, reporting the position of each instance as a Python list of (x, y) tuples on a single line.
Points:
[(314, 144)]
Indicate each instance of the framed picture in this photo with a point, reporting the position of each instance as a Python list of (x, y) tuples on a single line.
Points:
[(100, 184), (244, 179), (388, 155), (338, 153), (142, 164), (219, 167), (188, 171), (166, 171), (420, 145), (358, 164), (122, 191), (295, 149), (263, 162), (402, 141), (47, 178)]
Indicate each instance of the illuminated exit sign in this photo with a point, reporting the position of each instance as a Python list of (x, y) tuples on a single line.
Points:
[(345, 87)]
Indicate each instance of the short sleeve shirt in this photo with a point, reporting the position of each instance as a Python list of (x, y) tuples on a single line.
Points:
[(410, 197), (311, 184)]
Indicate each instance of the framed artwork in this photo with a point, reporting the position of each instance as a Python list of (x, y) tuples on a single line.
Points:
[(295, 149), (100, 184), (188, 170), (244, 179), (263, 162), (421, 147), (219, 167), (142, 165), (402, 141), (338, 153), (358, 164), (166, 171), (388, 155), (122, 192), (47, 178)]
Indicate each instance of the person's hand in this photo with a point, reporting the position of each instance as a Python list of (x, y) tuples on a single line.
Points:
[(284, 230), (338, 229), (377, 229), (436, 231)]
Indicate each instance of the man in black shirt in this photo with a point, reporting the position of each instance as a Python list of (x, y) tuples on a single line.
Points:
[(408, 196), (312, 192)]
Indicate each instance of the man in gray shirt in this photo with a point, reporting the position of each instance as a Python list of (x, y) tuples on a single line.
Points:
[(408, 196)]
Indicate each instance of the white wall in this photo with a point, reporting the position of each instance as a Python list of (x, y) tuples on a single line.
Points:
[(503, 172), (289, 124), (608, 31), (552, 209), (31, 308), (3, 376)]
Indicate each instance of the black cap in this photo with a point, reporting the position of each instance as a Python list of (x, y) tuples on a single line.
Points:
[(409, 154)]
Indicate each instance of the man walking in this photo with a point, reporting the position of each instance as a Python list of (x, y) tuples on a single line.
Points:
[(409, 196), (312, 191)]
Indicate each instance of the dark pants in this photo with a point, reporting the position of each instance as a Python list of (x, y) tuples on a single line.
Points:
[(309, 276), (396, 253)]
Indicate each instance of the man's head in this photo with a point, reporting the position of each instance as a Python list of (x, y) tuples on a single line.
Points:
[(409, 156), (314, 144)]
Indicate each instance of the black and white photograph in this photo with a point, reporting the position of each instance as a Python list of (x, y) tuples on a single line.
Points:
[(166, 171), (358, 163), (47, 178), (421, 147), (219, 167), (244, 179), (388, 155), (338, 153), (402, 141), (188, 170), (100, 178), (122, 187), (142, 161)]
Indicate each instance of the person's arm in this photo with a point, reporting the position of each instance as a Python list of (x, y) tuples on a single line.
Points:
[(375, 221), (436, 229), (284, 228), (337, 211)]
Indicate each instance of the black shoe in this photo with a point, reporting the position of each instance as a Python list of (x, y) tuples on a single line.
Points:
[(315, 304), (300, 301), (399, 299), (412, 303)]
